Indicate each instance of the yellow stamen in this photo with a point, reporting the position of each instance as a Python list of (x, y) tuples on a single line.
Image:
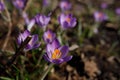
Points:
[(68, 19), (56, 54), (100, 15), (65, 4), (49, 36)]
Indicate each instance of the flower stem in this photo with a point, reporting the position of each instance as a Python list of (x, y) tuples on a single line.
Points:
[(46, 72)]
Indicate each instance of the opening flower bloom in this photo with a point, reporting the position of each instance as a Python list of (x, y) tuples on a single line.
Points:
[(20, 4), (39, 19), (49, 36), (2, 6), (46, 2), (42, 20), (117, 11), (65, 5), (32, 44), (100, 16), (57, 54), (104, 5), (67, 21)]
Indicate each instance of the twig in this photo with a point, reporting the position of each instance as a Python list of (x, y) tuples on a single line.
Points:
[(27, 5), (17, 53), (9, 27), (20, 49)]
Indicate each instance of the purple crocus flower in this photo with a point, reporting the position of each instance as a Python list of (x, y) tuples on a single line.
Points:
[(2, 6), (46, 2), (42, 20), (19, 4), (67, 21), (117, 11), (49, 36), (39, 19), (100, 16), (104, 5), (32, 44), (65, 5), (57, 54)]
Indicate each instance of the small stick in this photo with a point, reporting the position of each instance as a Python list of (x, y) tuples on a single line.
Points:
[(9, 27), (20, 49)]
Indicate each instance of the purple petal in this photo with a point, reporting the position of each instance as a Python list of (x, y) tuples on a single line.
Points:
[(49, 54), (28, 47), (36, 45), (73, 22), (55, 44), (49, 48), (33, 42), (62, 18), (70, 15), (25, 16), (46, 58), (64, 50), (65, 25), (30, 25), (25, 34), (19, 39), (67, 58), (34, 39), (46, 2), (117, 11), (47, 19), (2, 6), (57, 61)]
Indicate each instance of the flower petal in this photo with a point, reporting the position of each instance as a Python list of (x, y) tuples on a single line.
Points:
[(28, 47), (36, 45), (57, 61), (46, 58), (73, 22), (25, 34), (30, 25), (65, 25), (55, 44), (33, 40), (64, 50), (62, 18), (67, 58), (49, 48)]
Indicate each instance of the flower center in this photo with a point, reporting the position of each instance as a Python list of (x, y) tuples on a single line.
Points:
[(68, 19), (65, 4), (56, 54), (49, 36), (100, 15)]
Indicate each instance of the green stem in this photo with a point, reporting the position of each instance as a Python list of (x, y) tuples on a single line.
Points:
[(46, 72), (60, 34), (40, 58)]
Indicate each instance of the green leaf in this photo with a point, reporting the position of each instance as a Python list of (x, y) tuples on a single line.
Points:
[(5, 78)]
